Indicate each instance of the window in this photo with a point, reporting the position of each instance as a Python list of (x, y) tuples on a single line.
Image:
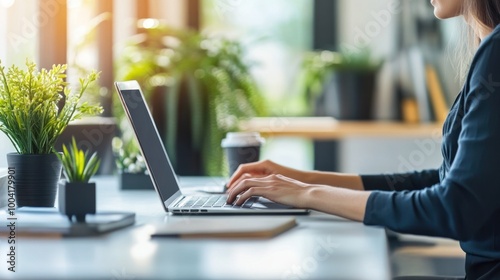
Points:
[(19, 21), (276, 32)]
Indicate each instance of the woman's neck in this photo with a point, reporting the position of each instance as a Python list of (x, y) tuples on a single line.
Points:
[(480, 30), (483, 32)]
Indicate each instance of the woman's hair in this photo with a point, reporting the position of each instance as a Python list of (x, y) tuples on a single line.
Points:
[(484, 13)]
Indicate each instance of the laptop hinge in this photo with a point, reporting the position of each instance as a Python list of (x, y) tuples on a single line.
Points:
[(172, 199)]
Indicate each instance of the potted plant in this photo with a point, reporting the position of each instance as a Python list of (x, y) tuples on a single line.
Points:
[(35, 108), (131, 165), (339, 84), (77, 196), (198, 86)]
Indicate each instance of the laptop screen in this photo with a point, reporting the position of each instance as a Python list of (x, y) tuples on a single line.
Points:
[(155, 156)]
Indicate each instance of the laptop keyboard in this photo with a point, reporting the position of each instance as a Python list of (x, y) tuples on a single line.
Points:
[(215, 201)]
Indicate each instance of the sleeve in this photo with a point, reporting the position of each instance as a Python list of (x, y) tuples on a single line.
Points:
[(402, 181), (467, 197)]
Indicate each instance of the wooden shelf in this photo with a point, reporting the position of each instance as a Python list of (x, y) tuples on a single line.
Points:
[(326, 128)]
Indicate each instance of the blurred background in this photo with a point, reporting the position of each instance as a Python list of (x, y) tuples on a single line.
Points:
[(204, 65)]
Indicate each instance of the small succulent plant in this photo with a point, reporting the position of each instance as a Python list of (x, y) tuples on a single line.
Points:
[(77, 165)]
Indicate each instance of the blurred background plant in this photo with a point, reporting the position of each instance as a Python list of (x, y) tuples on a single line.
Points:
[(198, 88), (128, 157), (339, 84), (319, 66)]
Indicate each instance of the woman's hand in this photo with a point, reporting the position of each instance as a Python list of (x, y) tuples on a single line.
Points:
[(277, 188), (347, 203), (262, 169)]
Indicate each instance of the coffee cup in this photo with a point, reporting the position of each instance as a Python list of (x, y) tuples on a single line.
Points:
[(241, 148)]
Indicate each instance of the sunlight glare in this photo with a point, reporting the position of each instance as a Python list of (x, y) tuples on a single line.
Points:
[(7, 3)]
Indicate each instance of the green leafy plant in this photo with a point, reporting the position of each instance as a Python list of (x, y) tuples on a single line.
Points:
[(317, 66), (77, 165), (208, 71), (37, 105)]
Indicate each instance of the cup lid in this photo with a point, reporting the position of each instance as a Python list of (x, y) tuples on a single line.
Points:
[(242, 139)]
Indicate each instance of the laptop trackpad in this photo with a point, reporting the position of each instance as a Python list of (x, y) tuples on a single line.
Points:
[(264, 203)]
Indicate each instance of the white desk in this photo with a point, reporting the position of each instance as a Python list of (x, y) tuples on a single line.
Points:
[(321, 247)]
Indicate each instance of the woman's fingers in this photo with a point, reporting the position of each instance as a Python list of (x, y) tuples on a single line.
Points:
[(252, 191), (244, 177), (242, 169), (278, 188), (261, 168), (244, 185)]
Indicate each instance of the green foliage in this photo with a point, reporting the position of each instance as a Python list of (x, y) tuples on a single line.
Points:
[(317, 66), (29, 111), (128, 156), (211, 71), (78, 166)]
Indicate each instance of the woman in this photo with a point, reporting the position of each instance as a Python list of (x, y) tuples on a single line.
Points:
[(460, 200)]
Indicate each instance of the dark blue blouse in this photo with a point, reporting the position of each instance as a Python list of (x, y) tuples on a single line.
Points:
[(460, 200)]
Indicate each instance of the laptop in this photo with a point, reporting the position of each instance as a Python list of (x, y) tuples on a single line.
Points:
[(163, 175)]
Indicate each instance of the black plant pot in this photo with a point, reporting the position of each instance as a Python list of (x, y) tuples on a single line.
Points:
[(36, 178), (348, 95), (77, 199), (135, 181)]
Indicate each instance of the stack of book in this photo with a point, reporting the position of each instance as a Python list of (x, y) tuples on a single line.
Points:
[(423, 98), (410, 89)]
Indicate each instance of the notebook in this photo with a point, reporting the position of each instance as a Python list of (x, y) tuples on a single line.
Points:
[(48, 222), (226, 227)]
